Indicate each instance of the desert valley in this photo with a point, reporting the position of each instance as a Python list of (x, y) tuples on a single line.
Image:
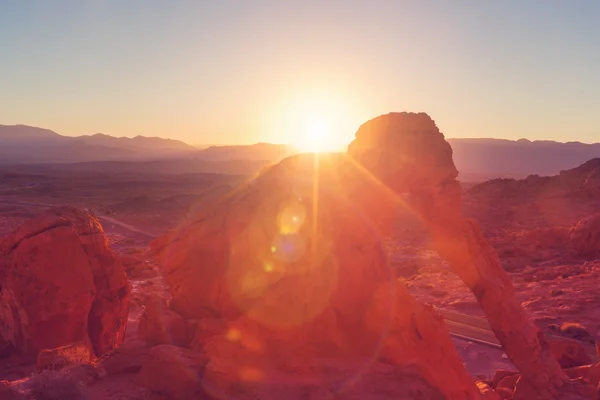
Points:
[(299, 200), (190, 297)]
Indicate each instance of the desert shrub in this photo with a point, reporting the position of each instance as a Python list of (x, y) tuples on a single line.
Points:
[(575, 330), (56, 385)]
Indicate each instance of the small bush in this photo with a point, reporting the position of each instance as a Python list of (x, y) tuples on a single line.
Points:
[(575, 331), (56, 385)]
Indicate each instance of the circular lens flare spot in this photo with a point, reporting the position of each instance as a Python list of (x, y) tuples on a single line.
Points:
[(233, 335), (290, 218), (251, 374)]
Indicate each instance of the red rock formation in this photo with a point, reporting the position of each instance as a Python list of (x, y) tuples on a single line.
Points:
[(407, 153), (585, 236), (61, 284), (293, 261)]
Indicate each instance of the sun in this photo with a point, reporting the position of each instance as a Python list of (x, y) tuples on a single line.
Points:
[(313, 120), (316, 136)]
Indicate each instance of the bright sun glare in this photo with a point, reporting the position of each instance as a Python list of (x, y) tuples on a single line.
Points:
[(315, 121), (316, 136)]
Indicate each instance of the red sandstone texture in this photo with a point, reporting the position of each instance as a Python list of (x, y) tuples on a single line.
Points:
[(61, 284)]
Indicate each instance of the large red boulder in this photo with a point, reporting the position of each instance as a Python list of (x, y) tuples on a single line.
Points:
[(293, 263), (60, 283), (408, 154)]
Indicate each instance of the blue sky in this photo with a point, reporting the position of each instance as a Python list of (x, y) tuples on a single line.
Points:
[(247, 71)]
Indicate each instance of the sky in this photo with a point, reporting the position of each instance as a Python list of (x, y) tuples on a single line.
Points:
[(226, 72)]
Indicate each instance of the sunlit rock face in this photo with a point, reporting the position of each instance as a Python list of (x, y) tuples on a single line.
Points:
[(292, 262), (59, 284), (407, 152), (283, 249)]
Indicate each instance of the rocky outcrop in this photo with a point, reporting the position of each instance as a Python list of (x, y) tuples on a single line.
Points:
[(293, 263), (60, 284), (408, 154), (585, 236)]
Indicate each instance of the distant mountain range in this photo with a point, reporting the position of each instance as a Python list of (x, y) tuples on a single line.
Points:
[(476, 159), (27, 144), (483, 159)]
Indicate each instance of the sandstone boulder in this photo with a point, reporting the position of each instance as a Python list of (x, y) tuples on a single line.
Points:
[(299, 274), (174, 371), (569, 353), (61, 284), (161, 325), (406, 153), (585, 236)]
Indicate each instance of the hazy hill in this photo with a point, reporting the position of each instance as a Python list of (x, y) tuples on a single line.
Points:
[(259, 151), (482, 159), (135, 143), (476, 159), (15, 133), (154, 167), (27, 144)]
